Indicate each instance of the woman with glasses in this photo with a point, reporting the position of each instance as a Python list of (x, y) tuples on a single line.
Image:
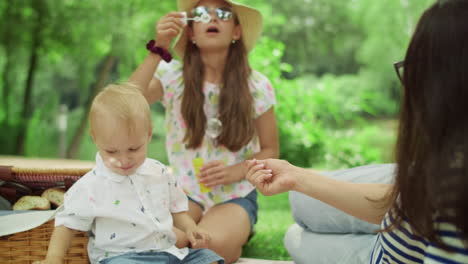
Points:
[(423, 214), (219, 112)]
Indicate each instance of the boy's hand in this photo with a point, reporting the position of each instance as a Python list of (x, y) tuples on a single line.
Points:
[(50, 260), (198, 237)]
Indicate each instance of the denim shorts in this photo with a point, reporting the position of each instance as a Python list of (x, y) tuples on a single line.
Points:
[(195, 256), (249, 203)]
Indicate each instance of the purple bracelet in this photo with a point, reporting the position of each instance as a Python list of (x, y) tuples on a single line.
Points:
[(165, 55)]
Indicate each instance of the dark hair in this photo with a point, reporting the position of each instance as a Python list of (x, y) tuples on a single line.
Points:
[(235, 99), (432, 146)]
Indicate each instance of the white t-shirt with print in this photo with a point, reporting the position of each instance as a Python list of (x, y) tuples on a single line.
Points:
[(180, 157), (125, 213)]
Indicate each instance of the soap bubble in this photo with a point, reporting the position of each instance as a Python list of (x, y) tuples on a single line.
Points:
[(213, 127)]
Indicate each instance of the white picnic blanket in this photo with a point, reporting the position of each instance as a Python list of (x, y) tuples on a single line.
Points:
[(23, 221), (261, 261)]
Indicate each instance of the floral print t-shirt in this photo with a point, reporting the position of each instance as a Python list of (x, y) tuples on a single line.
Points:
[(125, 213), (180, 157)]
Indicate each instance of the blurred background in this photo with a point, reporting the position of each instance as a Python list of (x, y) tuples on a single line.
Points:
[(330, 62)]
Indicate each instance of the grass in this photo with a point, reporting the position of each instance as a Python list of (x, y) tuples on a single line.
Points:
[(385, 139), (274, 218)]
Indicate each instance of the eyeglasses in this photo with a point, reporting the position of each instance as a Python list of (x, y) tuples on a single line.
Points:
[(200, 13), (399, 69)]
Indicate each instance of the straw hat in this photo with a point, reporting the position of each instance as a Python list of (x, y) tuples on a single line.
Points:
[(250, 20)]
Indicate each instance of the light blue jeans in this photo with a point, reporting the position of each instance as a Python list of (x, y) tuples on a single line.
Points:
[(324, 234), (195, 256)]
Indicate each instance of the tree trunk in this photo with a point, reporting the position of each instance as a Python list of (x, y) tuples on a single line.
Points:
[(33, 64), (7, 84), (103, 77)]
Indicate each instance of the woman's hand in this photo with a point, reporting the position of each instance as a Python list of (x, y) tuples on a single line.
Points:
[(217, 173), (198, 237), (167, 28), (272, 176)]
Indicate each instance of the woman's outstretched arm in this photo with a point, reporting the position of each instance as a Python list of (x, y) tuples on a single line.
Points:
[(368, 202)]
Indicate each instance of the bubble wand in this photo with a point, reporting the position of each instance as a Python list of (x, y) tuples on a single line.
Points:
[(205, 18)]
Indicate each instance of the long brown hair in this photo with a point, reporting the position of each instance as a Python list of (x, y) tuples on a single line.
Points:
[(235, 100), (432, 146)]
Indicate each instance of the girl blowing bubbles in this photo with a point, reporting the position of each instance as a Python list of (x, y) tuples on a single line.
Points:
[(219, 112)]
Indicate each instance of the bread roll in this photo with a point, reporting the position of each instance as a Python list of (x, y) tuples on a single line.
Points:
[(32, 203), (54, 195)]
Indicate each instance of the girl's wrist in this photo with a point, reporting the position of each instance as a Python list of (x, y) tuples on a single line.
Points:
[(242, 171), (237, 173), (163, 44)]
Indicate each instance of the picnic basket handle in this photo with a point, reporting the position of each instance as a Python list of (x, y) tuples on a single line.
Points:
[(6, 173), (52, 177)]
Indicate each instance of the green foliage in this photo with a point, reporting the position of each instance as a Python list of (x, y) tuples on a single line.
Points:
[(322, 117), (329, 61), (317, 34), (40, 127), (322, 123), (312, 113)]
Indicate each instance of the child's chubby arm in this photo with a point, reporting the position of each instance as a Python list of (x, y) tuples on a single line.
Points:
[(58, 245), (197, 236)]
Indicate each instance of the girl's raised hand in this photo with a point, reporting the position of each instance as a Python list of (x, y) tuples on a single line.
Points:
[(167, 28)]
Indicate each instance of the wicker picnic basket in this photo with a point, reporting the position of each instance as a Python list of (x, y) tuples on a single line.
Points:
[(28, 246)]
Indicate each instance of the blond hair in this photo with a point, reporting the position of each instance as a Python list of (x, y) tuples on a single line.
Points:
[(125, 102)]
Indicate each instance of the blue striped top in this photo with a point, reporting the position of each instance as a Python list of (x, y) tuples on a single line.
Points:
[(403, 246)]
